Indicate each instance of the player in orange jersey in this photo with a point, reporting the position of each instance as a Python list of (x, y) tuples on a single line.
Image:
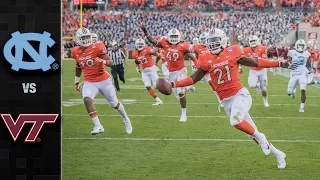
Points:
[(91, 59), (222, 63), (314, 58), (257, 76), (175, 51), (143, 57)]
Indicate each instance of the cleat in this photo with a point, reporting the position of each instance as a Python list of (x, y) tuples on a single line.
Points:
[(281, 159), (97, 130), (127, 124), (192, 89), (266, 104), (183, 118), (157, 103), (264, 144), (301, 110)]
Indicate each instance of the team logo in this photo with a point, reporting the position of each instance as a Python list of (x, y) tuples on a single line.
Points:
[(20, 42)]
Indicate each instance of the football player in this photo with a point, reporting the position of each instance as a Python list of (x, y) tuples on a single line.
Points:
[(299, 58), (94, 37), (143, 56), (257, 76), (222, 63), (175, 51), (91, 59)]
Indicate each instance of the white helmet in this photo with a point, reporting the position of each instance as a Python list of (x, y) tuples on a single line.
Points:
[(203, 37), (300, 45), (216, 40), (174, 36), (195, 40), (83, 37), (253, 41), (94, 37), (140, 44)]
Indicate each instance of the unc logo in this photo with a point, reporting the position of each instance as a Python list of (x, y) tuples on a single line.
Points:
[(20, 42)]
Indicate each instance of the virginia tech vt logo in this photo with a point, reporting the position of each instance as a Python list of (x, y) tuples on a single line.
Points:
[(21, 42)]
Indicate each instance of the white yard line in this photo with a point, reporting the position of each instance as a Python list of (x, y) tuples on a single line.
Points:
[(166, 116), (187, 139), (194, 94), (165, 103)]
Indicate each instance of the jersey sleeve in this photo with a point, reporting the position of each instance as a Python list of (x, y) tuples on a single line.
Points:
[(102, 50), (135, 54), (246, 51), (162, 42), (290, 53), (187, 47), (235, 52), (203, 62)]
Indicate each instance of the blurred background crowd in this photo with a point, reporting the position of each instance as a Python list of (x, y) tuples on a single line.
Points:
[(237, 17)]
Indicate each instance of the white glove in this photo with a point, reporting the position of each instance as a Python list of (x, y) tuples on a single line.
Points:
[(138, 70)]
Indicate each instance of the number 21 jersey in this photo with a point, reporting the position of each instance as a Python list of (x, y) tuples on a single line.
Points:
[(93, 71), (223, 70)]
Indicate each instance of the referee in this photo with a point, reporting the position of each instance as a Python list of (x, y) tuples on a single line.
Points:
[(118, 57)]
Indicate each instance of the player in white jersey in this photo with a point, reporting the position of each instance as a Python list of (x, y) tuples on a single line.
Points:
[(300, 66), (94, 37)]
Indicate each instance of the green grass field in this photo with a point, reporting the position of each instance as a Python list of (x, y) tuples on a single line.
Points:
[(205, 147)]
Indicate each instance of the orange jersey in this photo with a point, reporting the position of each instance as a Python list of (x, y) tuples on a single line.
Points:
[(259, 51), (174, 53), (223, 69), (314, 55), (199, 49), (143, 57), (161, 52), (93, 71)]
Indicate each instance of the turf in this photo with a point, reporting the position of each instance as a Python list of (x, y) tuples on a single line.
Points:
[(206, 147)]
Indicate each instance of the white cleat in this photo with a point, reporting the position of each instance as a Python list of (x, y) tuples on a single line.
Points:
[(127, 124), (281, 159), (301, 110), (157, 103), (183, 118), (192, 89), (264, 144), (97, 130), (266, 104)]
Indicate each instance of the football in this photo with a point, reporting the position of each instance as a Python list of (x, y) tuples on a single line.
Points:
[(163, 86)]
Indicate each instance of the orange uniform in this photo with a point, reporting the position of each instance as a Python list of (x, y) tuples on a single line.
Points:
[(199, 49), (259, 51), (223, 69), (161, 52), (314, 55), (174, 53), (93, 71), (143, 57)]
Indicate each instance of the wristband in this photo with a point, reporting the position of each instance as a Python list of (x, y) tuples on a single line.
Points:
[(104, 62), (76, 79)]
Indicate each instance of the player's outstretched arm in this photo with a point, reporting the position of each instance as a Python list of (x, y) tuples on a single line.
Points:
[(152, 52), (195, 77), (262, 63), (146, 33)]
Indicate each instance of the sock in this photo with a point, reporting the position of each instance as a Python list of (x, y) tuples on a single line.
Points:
[(95, 120), (276, 152), (152, 93), (122, 111), (265, 99), (157, 99), (184, 111), (302, 105), (244, 126)]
